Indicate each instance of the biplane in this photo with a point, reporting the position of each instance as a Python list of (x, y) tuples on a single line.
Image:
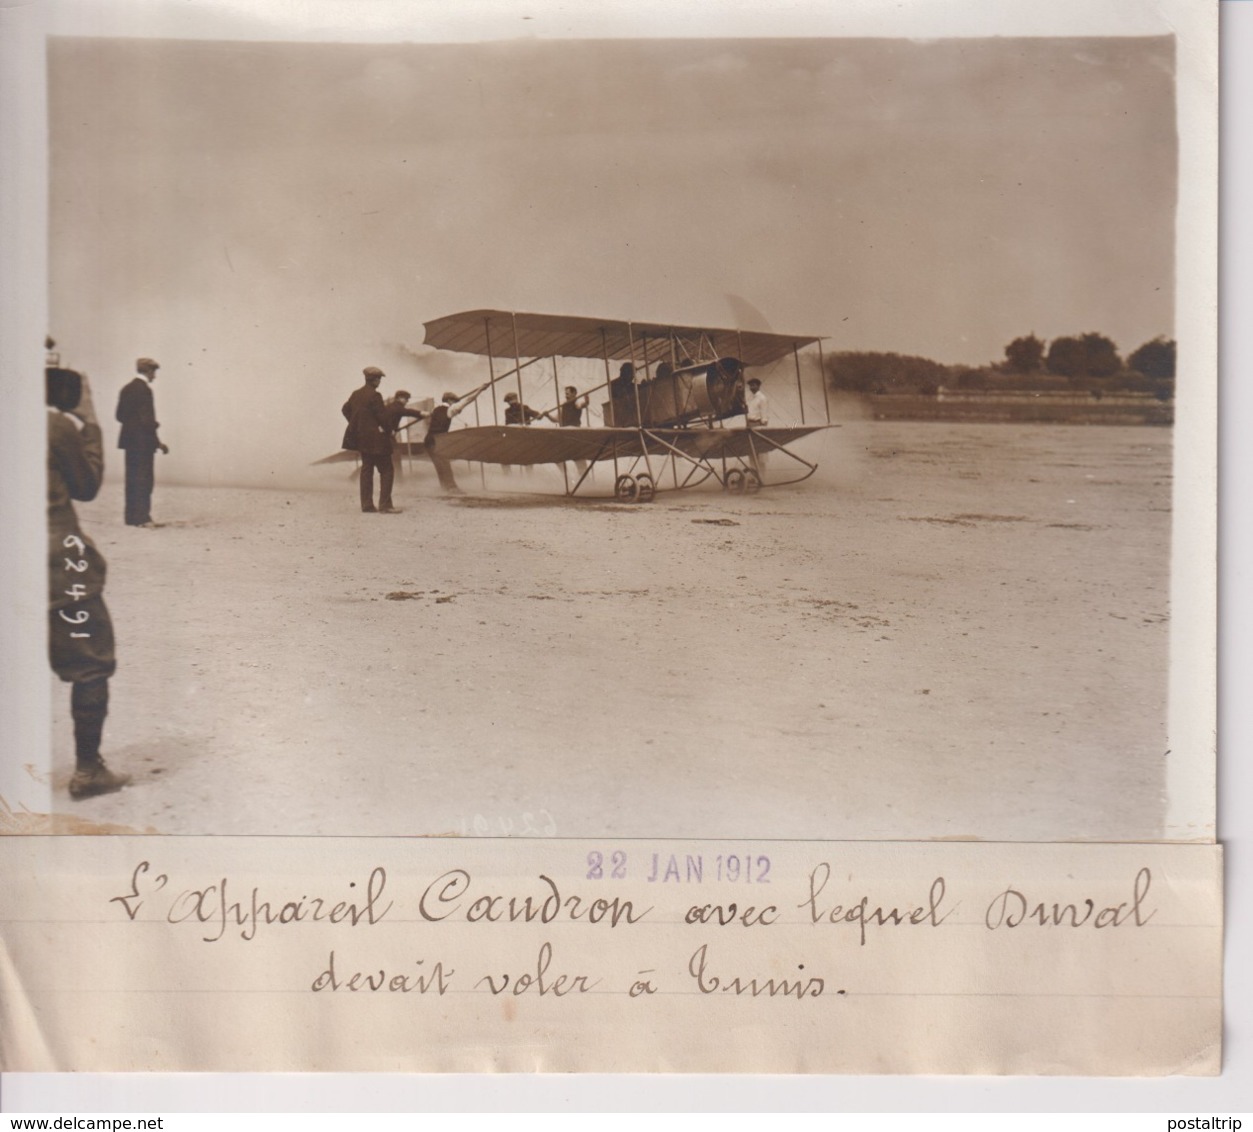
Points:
[(670, 400)]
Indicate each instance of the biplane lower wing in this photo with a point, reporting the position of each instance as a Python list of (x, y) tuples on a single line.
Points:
[(408, 450), (490, 444)]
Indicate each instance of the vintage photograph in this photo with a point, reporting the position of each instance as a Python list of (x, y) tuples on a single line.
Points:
[(515, 482), (693, 436)]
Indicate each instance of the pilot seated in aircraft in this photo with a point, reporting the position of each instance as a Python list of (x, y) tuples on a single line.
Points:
[(622, 397), (620, 386)]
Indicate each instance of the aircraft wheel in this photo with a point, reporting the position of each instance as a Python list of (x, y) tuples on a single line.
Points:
[(625, 489), (734, 482), (645, 488), (752, 482)]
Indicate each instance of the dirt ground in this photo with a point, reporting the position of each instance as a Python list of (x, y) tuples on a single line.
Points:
[(952, 631)]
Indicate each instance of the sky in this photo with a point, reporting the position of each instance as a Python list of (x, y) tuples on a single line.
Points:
[(266, 218)]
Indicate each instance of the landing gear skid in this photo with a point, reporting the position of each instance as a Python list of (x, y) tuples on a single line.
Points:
[(736, 473)]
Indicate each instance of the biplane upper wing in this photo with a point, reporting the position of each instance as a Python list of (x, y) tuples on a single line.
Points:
[(491, 444), (508, 334)]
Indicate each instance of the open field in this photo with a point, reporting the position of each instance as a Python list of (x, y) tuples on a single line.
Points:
[(953, 630), (1028, 407)]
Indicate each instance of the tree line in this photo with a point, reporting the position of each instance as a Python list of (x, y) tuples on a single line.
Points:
[(1086, 362)]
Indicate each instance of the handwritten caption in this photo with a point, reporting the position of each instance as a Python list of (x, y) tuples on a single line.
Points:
[(225, 910)]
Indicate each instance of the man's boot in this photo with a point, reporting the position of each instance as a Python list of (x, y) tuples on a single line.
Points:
[(89, 705)]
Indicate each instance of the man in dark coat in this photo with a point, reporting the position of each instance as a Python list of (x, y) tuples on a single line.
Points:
[(395, 411), (80, 633), (138, 437), (369, 434)]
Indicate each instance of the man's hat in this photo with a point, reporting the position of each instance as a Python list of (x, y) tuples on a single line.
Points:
[(511, 396), (401, 393), (143, 364), (372, 371), (449, 398)]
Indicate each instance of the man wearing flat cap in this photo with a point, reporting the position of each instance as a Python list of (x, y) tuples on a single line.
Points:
[(440, 419), (518, 413), (369, 434), (137, 414)]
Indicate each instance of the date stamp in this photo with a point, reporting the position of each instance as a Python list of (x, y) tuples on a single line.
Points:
[(679, 868)]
